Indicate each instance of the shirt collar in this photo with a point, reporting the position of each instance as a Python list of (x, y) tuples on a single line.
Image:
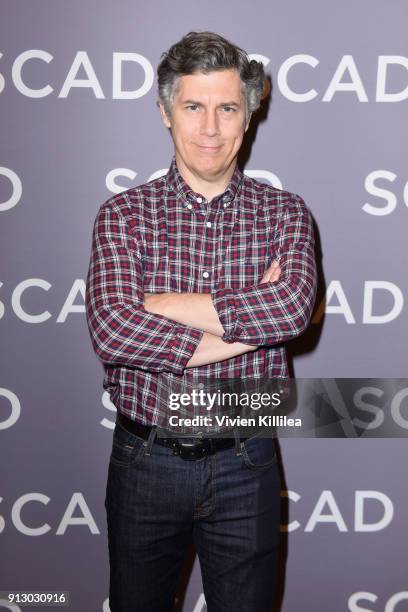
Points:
[(176, 182)]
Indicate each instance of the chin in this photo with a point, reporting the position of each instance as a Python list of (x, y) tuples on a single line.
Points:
[(212, 163), (210, 170)]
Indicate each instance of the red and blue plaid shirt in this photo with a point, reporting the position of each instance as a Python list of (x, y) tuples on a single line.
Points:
[(163, 237)]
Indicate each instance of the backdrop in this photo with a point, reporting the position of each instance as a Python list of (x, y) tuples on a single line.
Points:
[(79, 123)]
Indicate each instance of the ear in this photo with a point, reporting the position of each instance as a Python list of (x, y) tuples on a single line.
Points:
[(164, 116), (249, 119)]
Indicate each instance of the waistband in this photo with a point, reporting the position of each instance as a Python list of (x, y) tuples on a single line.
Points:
[(188, 449)]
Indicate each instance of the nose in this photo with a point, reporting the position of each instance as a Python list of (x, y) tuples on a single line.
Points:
[(209, 125)]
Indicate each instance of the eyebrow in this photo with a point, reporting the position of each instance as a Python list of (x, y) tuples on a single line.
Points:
[(200, 103)]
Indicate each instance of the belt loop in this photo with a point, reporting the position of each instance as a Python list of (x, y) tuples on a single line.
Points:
[(238, 444), (150, 440)]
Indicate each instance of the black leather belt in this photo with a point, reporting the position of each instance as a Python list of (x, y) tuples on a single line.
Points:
[(185, 449)]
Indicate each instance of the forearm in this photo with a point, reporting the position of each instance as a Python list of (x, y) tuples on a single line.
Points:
[(196, 310), (191, 309), (212, 349)]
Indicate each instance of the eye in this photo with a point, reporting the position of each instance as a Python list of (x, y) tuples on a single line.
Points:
[(192, 107), (229, 109)]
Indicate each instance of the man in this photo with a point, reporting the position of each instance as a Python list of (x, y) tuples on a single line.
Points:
[(203, 271)]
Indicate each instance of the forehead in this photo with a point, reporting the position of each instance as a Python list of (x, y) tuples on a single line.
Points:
[(218, 84)]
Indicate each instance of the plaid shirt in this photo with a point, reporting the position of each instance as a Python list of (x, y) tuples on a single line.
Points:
[(163, 237)]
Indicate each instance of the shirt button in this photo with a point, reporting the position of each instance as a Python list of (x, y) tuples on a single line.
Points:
[(205, 275), (199, 200), (209, 224), (225, 204), (189, 206)]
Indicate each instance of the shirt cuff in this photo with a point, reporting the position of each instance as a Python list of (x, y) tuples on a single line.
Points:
[(185, 342), (224, 304)]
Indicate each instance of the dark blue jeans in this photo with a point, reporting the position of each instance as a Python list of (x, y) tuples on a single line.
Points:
[(227, 504)]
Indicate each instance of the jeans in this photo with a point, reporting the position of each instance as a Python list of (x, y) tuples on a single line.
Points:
[(227, 504)]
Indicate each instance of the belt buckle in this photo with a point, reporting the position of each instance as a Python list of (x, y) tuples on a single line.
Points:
[(191, 451)]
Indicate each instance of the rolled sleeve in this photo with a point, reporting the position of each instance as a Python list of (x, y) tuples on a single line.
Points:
[(184, 343), (224, 304)]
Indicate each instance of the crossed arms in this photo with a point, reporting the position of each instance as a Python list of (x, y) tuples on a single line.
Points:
[(197, 310), (169, 332)]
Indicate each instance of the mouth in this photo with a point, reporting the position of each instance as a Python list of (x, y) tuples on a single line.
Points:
[(209, 148)]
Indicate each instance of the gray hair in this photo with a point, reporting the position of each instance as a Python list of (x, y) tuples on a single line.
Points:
[(208, 52)]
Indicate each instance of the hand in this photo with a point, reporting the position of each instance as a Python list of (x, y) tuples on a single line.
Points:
[(272, 274)]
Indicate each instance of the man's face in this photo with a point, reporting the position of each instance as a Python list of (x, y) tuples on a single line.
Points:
[(207, 122)]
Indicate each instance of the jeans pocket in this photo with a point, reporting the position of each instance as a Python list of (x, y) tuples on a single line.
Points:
[(127, 449), (259, 453)]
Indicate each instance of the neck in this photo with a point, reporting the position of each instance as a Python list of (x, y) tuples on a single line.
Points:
[(209, 188)]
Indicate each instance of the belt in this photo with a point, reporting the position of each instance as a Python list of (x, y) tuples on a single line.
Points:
[(185, 449)]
